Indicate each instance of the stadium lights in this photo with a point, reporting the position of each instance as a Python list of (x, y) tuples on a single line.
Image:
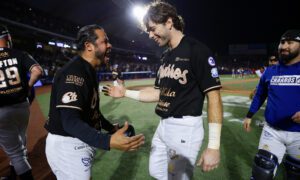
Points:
[(139, 12), (66, 45), (51, 43)]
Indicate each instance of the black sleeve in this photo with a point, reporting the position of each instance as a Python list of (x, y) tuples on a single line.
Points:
[(70, 94), (105, 124), (205, 69), (76, 127), (27, 61)]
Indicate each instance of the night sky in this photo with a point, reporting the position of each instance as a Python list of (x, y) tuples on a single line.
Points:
[(217, 23)]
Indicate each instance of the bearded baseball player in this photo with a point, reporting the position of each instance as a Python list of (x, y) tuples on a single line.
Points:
[(186, 75), (281, 133), (14, 105), (75, 121)]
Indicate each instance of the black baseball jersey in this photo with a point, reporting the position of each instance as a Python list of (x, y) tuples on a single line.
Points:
[(76, 87), (186, 73), (14, 66)]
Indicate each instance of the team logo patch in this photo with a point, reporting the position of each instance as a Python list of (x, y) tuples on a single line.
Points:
[(181, 59), (267, 134), (72, 79), (69, 97), (211, 61), (214, 72), (86, 161)]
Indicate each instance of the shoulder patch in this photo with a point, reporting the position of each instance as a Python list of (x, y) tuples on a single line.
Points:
[(69, 97), (214, 72), (72, 79), (211, 61)]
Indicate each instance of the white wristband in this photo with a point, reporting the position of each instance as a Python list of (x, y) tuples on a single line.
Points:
[(214, 135), (132, 94)]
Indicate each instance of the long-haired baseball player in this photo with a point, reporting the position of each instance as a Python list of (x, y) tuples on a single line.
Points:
[(187, 74), (75, 121), (14, 104)]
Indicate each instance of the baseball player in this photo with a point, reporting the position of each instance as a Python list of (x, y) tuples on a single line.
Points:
[(272, 60), (14, 104), (281, 132), (117, 76), (186, 75), (75, 121)]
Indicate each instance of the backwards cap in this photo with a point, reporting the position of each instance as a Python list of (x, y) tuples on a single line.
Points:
[(291, 35)]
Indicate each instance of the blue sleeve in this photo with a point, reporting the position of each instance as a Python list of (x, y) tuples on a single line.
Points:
[(73, 125), (260, 96)]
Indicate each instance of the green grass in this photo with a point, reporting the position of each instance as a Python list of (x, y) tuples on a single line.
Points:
[(237, 147)]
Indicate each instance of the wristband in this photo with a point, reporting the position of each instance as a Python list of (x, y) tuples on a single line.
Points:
[(132, 94), (214, 134)]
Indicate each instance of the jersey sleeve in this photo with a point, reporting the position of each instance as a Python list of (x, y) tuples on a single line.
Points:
[(71, 91), (204, 68), (260, 96), (28, 61)]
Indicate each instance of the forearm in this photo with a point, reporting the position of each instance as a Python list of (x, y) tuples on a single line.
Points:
[(214, 107), (73, 125), (215, 118), (35, 73), (144, 95), (105, 124)]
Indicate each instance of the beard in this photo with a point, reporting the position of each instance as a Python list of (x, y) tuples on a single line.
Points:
[(286, 58), (100, 56)]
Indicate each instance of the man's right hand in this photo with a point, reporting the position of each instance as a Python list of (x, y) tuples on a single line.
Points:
[(114, 91), (247, 123), (121, 142)]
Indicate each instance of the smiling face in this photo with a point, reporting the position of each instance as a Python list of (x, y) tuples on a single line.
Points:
[(288, 50), (160, 33)]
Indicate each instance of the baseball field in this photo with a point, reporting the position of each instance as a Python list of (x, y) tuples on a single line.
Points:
[(237, 147)]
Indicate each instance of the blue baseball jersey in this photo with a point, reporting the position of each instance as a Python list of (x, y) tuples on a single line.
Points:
[(281, 85)]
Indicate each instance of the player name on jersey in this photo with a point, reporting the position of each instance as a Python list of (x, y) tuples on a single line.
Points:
[(8, 62), (167, 92), (287, 80), (170, 72)]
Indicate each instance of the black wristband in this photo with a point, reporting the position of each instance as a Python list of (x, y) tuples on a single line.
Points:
[(249, 114)]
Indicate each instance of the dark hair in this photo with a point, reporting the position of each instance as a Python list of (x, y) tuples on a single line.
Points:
[(87, 34), (159, 12)]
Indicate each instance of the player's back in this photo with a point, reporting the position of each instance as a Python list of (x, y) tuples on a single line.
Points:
[(14, 65)]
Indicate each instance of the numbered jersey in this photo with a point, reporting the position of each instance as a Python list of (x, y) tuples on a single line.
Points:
[(14, 66)]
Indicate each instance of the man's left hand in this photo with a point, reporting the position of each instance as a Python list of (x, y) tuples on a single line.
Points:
[(209, 159), (296, 117)]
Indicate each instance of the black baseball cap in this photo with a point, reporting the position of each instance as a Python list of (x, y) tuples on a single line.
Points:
[(3, 31), (291, 35)]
